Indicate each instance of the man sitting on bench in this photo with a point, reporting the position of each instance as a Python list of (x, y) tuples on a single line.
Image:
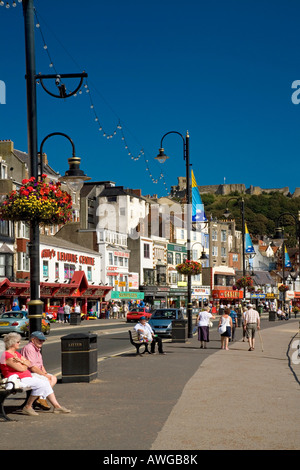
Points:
[(146, 333)]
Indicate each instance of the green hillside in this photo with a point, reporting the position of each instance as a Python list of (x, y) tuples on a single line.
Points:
[(261, 212)]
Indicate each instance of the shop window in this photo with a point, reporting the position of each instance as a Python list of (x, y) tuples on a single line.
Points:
[(56, 270), (68, 271), (45, 269), (170, 257)]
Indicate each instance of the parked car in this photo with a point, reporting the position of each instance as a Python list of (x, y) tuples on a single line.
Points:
[(13, 321), (161, 320), (17, 322), (136, 313)]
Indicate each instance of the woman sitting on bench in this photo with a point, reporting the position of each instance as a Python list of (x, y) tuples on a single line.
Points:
[(13, 363)]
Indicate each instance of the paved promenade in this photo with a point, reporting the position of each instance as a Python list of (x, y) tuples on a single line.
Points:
[(189, 399)]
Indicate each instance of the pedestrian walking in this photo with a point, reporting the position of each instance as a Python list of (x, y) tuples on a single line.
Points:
[(107, 312), (203, 321), (60, 314), (67, 311), (225, 326), (234, 319), (115, 311), (252, 323), (244, 324)]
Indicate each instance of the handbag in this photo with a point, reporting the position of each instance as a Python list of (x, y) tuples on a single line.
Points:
[(210, 324), (222, 329)]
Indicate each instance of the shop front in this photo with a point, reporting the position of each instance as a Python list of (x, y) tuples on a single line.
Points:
[(78, 290), (227, 296), (201, 295), (156, 296), (296, 302), (178, 296)]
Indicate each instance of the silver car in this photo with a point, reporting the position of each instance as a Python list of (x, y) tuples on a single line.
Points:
[(13, 321)]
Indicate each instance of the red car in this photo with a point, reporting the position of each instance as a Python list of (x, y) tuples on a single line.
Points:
[(136, 313)]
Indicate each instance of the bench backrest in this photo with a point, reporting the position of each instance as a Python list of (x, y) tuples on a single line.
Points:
[(134, 337)]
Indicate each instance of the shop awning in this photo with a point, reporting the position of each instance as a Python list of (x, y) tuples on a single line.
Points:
[(78, 286)]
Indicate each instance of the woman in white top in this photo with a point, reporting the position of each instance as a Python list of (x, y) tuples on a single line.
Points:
[(225, 323), (203, 326)]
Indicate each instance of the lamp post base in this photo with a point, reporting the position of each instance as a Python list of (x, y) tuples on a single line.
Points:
[(35, 315)]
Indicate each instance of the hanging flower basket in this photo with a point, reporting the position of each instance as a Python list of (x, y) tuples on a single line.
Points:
[(189, 268), (245, 281), (43, 202), (283, 288)]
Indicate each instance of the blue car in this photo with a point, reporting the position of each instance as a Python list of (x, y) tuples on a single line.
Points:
[(161, 320)]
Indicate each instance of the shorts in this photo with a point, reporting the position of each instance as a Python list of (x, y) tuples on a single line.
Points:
[(251, 329)]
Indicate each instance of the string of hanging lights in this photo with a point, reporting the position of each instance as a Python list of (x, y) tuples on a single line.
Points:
[(118, 128), (101, 129), (7, 5)]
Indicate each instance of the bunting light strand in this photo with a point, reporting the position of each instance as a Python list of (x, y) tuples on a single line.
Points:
[(118, 128), (12, 4)]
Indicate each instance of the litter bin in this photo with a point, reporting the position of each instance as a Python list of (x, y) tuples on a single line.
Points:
[(79, 357), (272, 316), (179, 331), (75, 318)]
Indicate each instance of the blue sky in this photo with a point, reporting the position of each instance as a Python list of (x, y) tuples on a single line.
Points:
[(223, 70)]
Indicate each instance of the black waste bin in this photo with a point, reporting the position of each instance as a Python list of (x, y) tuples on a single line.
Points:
[(75, 318), (272, 316), (179, 331), (79, 357)]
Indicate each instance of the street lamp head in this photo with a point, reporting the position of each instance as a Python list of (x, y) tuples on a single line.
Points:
[(74, 177), (279, 234), (161, 157), (203, 256), (226, 213)]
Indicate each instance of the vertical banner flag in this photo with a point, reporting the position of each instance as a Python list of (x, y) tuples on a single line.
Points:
[(287, 261), (249, 249), (198, 214)]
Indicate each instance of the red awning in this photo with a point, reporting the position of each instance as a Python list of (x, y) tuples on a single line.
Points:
[(78, 286)]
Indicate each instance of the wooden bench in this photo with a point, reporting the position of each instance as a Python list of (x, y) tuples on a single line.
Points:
[(4, 393), (134, 339)]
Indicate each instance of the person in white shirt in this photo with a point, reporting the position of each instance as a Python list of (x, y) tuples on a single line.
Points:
[(203, 321), (146, 333), (252, 323)]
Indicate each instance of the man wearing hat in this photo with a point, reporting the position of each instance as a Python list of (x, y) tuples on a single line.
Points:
[(146, 333), (32, 352)]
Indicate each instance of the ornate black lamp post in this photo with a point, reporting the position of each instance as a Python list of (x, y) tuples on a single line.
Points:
[(162, 157), (35, 305)]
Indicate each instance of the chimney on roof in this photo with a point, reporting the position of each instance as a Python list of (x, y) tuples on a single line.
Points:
[(6, 146), (137, 192)]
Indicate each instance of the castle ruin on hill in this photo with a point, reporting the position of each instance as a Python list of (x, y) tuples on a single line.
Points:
[(226, 189)]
